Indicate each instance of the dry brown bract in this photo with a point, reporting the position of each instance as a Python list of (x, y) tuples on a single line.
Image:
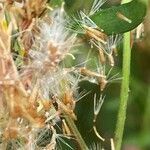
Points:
[(24, 15)]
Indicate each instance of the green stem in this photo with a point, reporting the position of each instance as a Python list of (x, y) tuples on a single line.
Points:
[(76, 133), (124, 92)]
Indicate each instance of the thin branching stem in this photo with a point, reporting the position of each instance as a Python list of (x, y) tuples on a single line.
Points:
[(76, 133)]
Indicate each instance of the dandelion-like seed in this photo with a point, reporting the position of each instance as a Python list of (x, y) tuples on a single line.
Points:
[(95, 146), (109, 48), (97, 4), (97, 107)]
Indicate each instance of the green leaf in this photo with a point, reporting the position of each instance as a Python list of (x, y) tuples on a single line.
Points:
[(113, 20), (120, 19)]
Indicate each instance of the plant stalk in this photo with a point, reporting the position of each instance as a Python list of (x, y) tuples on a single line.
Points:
[(124, 92), (76, 133)]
